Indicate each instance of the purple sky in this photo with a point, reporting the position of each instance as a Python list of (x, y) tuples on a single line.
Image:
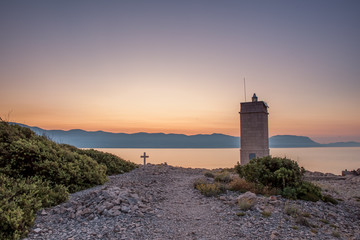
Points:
[(178, 66)]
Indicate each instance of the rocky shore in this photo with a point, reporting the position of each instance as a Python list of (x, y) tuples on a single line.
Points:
[(160, 202)]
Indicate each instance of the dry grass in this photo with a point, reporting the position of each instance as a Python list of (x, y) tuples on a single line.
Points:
[(208, 189), (266, 213), (239, 184), (223, 177), (246, 204), (292, 210)]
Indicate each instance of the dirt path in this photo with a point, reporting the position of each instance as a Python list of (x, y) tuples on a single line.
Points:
[(183, 214)]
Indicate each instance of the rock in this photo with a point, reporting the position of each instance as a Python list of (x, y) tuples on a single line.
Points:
[(272, 198), (37, 230), (125, 209), (248, 196), (222, 198), (43, 212), (108, 205), (274, 235)]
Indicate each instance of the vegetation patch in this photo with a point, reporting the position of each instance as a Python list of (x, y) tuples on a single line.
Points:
[(209, 174), (246, 204), (223, 177), (291, 210), (324, 221), (306, 214), (240, 214), (209, 189), (330, 199), (36, 173), (241, 185), (302, 221), (266, 213), (280, 174), (314, 231)]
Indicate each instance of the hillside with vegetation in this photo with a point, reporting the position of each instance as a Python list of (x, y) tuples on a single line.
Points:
[(36, 172)]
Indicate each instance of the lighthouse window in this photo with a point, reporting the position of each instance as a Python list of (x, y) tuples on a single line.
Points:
[(252, 155)]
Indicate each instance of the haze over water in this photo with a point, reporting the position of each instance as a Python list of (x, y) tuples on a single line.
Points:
[(326, 160)]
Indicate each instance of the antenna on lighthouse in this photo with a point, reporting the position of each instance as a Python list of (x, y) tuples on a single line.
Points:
[(244, 89)]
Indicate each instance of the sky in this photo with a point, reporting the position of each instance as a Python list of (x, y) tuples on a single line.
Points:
[(179, 66)]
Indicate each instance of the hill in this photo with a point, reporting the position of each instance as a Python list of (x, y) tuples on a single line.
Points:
[(101, 139)]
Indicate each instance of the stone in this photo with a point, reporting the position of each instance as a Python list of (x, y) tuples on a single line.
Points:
[(37, 230), (248, 195), (125, 209), (274, 235), (272, 198)]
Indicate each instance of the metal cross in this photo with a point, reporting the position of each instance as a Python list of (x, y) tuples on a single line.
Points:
[(144, 157)]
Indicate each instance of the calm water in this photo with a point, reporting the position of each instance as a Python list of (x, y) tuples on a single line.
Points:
[(332, 160)]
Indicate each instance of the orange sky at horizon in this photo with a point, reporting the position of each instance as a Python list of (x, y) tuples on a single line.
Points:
[(178, 67)]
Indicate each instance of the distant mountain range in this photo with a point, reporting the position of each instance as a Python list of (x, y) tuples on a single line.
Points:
[(99, 139)]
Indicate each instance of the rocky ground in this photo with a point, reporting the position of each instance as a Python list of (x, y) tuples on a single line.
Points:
[(160, 202)]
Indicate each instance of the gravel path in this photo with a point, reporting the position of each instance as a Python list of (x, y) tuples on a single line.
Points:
[(159, 202), (184, 214)]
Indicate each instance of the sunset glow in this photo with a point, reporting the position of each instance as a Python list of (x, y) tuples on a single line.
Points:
[(178, 67)]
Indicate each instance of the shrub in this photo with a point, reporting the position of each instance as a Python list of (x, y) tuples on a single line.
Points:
[(280, 173), (273, 172), (209, 189), (328, 198), (308, 191), (40, 157), (19, 201), (291, 210), (113, 163), (266, 213), (223, 177), (36, 172), (246, 204), (302, 221), (239, 184), (289, 192), (209, 174)]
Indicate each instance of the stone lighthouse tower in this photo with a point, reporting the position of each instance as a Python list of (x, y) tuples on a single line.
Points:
[(254, 130)]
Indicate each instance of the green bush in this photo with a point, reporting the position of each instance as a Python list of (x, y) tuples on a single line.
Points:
[(36, 173), (328, 198), (19, 201), (280, 173), (40, 157), (113, 163), (273, 172), (308, 192)]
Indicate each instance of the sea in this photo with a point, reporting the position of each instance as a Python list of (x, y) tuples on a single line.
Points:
[(325, 159)]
